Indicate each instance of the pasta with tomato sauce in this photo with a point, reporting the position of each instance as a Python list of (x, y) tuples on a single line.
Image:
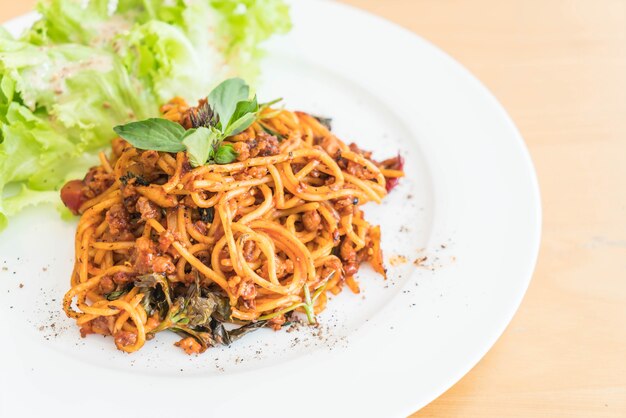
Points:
[(161, 245)]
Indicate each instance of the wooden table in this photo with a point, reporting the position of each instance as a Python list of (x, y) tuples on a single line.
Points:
[(559, 67)]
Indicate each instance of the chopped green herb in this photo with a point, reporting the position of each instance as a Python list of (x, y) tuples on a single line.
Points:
[(140, 181), (116, 294)]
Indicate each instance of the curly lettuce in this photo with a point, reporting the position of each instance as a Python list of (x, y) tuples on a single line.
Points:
[(243, 25), (84, 68)]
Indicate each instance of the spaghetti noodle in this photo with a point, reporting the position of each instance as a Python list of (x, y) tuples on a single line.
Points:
[(162, 246)]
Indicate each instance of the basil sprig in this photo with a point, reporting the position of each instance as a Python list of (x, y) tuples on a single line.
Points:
[(227, 112)]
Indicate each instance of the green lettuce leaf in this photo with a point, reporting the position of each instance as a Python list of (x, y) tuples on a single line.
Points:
[(68, 21), (242, 26), (56, 104), (167, 62)]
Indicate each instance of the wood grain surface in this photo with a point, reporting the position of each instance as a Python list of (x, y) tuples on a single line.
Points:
[(559, 68)]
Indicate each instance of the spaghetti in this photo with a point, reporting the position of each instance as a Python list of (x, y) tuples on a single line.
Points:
[(162, 246)]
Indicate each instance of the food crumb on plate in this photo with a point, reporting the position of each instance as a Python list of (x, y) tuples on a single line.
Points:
[(396, 260), (420, 261)]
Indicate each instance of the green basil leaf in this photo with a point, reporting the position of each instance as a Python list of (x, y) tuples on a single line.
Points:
[(153, 134), (225, 154), (240, 124), (244, 108), (199, 143), (245, 114), (225, 97)]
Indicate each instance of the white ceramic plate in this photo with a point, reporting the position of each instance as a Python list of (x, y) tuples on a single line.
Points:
[(470, 203)]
